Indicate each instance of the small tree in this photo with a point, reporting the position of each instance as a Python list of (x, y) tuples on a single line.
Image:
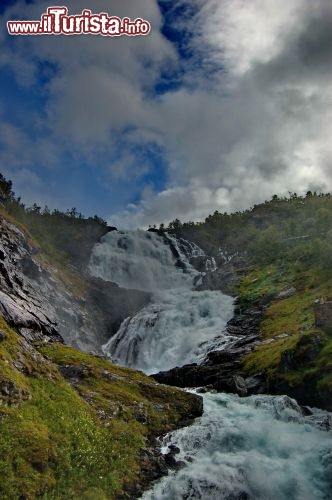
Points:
[(175, 225), (6, 193)]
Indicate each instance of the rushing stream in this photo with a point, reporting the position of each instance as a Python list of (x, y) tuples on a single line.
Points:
[(256, 448)]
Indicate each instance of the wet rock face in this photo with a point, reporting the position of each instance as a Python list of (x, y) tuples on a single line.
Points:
[(22, 301), (152, 467), (110, 304), (226, 276), (35, 302)]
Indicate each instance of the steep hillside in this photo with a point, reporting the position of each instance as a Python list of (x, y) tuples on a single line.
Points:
[(296, 344), (72, 425)]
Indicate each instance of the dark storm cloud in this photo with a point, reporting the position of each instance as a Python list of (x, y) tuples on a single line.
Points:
[(307, 55)]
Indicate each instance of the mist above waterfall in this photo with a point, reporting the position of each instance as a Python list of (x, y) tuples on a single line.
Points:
[(179, 326)]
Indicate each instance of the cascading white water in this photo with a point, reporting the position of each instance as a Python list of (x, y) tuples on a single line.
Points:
[(256, 448), (180, 324), (137, 259)]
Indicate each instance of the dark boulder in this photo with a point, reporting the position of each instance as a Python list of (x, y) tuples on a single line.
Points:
[(11, 394), (306, 350), (74, 373), (153, 465)]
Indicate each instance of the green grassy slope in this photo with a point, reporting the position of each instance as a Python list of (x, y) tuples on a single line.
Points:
[(295, 355), (78, 435)]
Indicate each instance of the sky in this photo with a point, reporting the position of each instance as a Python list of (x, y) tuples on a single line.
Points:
[(222, 105)]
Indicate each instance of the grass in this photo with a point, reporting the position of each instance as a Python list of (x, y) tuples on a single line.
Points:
[(266, 358), (135, 394), (80, 439), (55, 447), (261, 282)]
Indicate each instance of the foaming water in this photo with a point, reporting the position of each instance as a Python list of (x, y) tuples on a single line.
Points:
[(179, 326), (139, 260), (256, 448)]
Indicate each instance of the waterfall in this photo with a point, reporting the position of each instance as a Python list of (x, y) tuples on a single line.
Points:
[(137, 259), (179, 326), (256, 448)]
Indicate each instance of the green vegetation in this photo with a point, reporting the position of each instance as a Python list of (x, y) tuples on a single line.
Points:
[(73, 424), (80, 436), (65, 238), (288, 330), (295, 229)]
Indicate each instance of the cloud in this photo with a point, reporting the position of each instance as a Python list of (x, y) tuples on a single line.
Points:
[(99, 83), (264, 127), (17, 150), (250, 115), (95, 92), (241, 34)]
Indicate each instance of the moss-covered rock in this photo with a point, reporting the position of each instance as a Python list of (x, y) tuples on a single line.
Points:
[(294, 353)]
